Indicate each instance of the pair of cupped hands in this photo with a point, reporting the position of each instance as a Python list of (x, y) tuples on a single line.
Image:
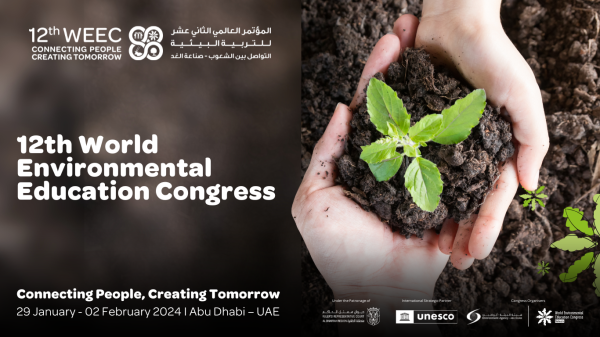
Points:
[(358, 254)]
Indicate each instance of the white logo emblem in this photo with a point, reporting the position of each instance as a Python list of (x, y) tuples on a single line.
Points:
[(476, 315), (405, 316), (145, 43), (544, 316), (373, 316)]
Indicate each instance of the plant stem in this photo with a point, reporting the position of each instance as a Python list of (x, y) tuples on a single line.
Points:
[(404, 141), (407, 141)]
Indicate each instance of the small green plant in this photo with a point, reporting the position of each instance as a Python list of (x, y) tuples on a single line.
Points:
[(543, 268), (532, 197), (574, 243), (388, 114)]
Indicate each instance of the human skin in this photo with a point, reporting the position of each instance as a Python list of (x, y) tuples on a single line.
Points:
[(357, 254), (480, 51), (467, 35)]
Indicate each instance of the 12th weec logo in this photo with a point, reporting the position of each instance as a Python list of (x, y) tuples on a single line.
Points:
[(373, 316), (145, 43)]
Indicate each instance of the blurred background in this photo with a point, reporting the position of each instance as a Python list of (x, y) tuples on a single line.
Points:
[(244, 115)]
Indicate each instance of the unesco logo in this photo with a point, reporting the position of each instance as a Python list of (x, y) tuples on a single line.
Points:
[(405, 316), (426, 317), (145, 43)]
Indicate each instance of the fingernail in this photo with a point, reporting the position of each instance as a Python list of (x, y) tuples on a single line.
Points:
[(338, 105)]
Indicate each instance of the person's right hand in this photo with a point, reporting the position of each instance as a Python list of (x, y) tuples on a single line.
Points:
[(467, 35)]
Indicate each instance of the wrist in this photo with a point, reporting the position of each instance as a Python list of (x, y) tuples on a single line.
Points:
[(475, 8), (451, 25), (464, 13), (380, 294)]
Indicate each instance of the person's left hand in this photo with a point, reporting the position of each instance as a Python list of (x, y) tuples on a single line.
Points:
[(357, 254)]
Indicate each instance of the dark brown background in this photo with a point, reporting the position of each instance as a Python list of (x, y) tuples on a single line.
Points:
[(244, 115)]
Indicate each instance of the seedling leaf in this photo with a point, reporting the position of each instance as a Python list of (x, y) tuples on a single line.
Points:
[(411, 151), (540, 189), (425, 129), (543, 268), (541, 203), (461, 117), (597, 214), (385, 170), (577, 267), (574, 221), (423, 181), (384, 148), (527, 202), (572, 243), (388, 114), (526, 196), (393, 131), (384, 106)]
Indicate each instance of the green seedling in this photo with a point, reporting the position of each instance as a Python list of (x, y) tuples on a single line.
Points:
[(574, 243), (534, 197), (543, 268), (388, 114)]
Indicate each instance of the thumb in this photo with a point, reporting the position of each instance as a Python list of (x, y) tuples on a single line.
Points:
[(321, 171)]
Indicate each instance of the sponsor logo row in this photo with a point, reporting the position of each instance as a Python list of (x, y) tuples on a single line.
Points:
[(451, 316)]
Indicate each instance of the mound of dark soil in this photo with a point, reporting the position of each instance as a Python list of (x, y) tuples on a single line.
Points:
[(468, 169)]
